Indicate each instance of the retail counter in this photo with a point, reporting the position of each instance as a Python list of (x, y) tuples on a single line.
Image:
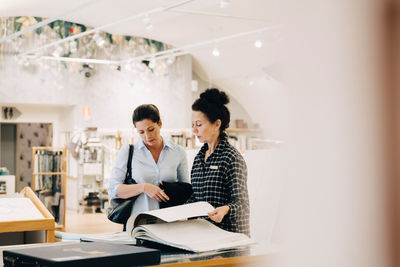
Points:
[(253, 256)]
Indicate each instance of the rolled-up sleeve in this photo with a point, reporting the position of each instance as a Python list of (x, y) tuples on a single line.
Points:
[(118, 172), (237, 183)]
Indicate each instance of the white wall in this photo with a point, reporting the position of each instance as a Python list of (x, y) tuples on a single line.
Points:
[(237, 110), (54, 114), (111, 94), (266, 102)]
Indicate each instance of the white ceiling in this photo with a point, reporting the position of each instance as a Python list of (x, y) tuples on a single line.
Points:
[(193, 22)]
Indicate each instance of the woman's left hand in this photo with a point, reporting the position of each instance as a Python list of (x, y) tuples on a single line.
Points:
[(218, 214)]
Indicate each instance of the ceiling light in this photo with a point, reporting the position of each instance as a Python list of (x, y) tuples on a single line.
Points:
[(128, 66), (99, 40), (57, 52), (73, 47), (149, 27), (216, 52), (195, 85), (224, 3), (170, 60), (146, 20), (147, 23), (258, 43)]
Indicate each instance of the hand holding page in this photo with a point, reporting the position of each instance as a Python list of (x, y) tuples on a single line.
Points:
[(171, 214), (170, 227)]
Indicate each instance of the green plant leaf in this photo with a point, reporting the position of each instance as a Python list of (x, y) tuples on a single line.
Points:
[(17, 25), (109, 37)]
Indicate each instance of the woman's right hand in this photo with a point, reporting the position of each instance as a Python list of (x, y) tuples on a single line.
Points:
[(155, 192)]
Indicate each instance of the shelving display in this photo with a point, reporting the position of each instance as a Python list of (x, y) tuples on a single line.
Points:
[(49, 180), (243, 138), (91, 176), (91, 172), (94, 151)]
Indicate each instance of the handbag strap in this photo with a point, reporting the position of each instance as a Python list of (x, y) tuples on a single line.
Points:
[(129, 165)]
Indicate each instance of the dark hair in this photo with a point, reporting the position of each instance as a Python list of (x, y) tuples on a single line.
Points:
[(212, 103), (146, 111)]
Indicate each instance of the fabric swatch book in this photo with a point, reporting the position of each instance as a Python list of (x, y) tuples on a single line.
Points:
[(171, 227), (82, 254)]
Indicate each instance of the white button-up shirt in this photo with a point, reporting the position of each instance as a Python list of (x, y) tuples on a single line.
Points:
[(171, 167)]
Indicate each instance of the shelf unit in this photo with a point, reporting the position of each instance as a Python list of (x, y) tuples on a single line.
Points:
[(242, 138), (54, 170), (91, 176)]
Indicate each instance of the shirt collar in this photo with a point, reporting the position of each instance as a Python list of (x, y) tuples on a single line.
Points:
[(223, 141), (168, 143), (165, 142)]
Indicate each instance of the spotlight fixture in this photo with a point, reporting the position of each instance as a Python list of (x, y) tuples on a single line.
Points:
[(258, 43), (57, 52), (149, 27), (170, 60), (128, 66), (98, 39), (146, 20), (87, 70), (224, 3), (147, 23), (195, 85), (72, 46), (215, 52)]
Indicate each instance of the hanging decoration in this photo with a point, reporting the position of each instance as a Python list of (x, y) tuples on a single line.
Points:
[(98, 45)]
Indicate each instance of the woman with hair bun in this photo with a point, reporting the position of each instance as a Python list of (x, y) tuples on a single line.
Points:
[(219, 172)]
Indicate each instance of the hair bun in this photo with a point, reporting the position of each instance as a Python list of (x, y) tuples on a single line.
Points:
[(215, 96)]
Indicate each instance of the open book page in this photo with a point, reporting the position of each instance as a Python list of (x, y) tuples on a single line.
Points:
[(172, 214), (196, 235), (113, 236)]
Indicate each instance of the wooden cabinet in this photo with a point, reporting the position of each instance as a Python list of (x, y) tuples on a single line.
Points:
[(28, 224), (49, 180)]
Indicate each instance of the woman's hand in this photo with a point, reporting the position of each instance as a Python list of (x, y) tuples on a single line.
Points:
[(218, 214), (155, 192)]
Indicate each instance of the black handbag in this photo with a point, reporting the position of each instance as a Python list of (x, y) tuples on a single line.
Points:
[(178, 192), (119, 209)]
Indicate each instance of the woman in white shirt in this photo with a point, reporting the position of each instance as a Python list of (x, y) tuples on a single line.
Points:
[(154, 160)]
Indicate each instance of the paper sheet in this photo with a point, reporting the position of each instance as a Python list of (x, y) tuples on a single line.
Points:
[(18, 209), (182, 212), (172, 214)]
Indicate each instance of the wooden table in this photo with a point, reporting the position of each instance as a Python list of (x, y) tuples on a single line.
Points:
[(46, 224)]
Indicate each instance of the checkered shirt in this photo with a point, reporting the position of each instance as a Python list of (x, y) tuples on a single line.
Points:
[(222, 180)]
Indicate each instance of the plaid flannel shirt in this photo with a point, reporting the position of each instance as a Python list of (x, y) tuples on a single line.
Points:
[(222, 180)]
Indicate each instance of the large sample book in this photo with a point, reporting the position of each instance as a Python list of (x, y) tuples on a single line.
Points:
[(171, 227), (82, 254)]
